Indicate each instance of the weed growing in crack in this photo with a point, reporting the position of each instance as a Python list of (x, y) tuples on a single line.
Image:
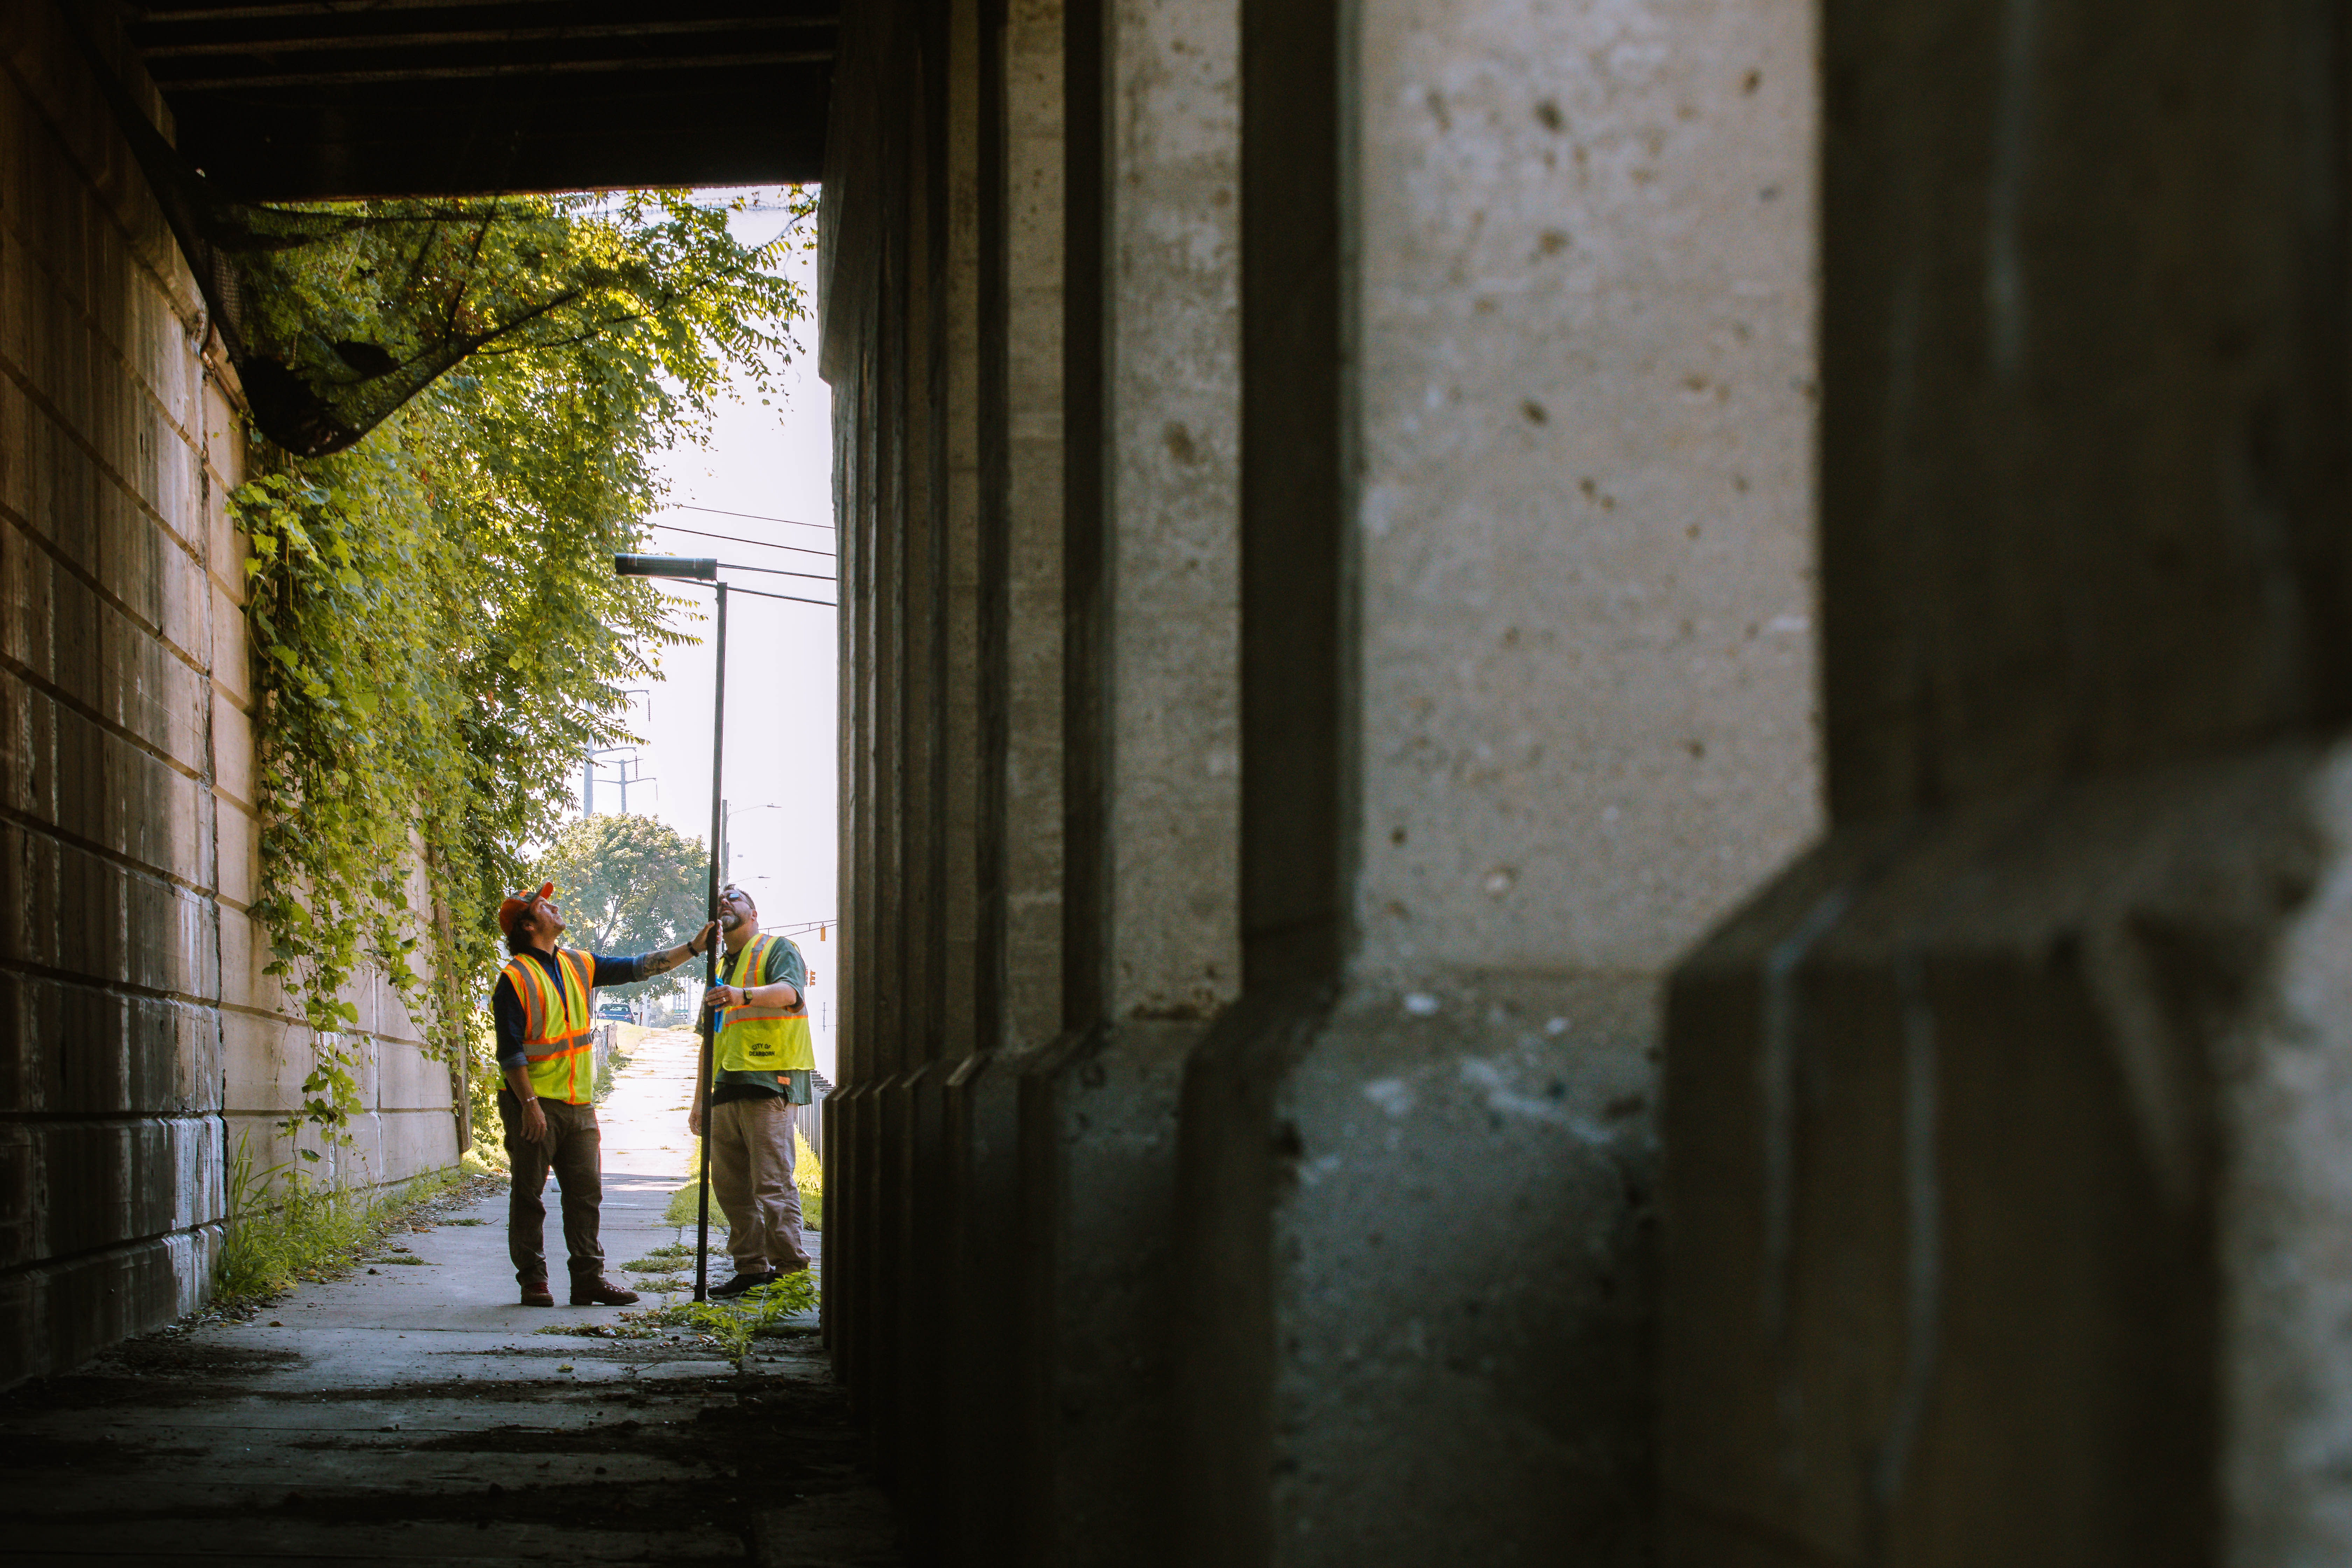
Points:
[(731, 1325), (664, 1259)]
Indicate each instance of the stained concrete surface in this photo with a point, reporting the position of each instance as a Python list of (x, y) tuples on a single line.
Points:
[(412, 1409)]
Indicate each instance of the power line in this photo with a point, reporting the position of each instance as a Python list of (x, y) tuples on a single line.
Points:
[(747, 516), (788, 598), (738, 539), (779, 572), (763, 593)]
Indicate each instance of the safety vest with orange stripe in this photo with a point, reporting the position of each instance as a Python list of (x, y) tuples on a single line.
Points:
[(761, 1039), (559, 1030)]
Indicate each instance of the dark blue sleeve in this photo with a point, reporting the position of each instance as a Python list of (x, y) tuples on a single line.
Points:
[(612, 971), (506, 1012)]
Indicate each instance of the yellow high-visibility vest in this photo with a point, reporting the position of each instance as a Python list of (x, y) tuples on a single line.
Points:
[(761, 1039), (559, 1030)]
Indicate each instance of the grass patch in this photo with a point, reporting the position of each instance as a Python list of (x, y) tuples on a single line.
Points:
[(662, 1259), (465, 1221), (614, 1061), (730, 1326), (310, 1232), (402, 1257), (808, 1175), (684, 1205)]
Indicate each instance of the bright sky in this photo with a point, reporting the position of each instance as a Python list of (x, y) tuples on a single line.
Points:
[(773, 462)]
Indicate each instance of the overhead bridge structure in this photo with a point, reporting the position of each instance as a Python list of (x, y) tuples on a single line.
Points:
[(1595, 804), (302, 99)]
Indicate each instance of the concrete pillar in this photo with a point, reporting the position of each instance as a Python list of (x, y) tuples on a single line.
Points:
[(902, 332), (904, 1295), (2005, 1174), (1150, 938), (1019, 158), (1526, 704)]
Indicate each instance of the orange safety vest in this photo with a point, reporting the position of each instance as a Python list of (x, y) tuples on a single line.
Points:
[(559, 1028)]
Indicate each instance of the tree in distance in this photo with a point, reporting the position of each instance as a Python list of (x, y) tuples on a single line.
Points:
[(629, 884)]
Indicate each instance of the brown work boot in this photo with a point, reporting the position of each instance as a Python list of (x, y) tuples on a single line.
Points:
[(600, 1293), (536, 1294)]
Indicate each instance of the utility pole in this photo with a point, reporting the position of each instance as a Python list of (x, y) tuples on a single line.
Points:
[(624, 764), (707, 571)]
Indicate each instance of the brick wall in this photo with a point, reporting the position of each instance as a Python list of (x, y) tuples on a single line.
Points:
[(138, 1030)]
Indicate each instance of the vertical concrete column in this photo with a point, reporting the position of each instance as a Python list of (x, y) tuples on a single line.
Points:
[(879, 1170), (1016, 122), (1026, 243), (945, 237), (2006, 1166), (1152, 936), (963, 1382), (904, 1296), (960, 177), (848, 304), (1549, 693)]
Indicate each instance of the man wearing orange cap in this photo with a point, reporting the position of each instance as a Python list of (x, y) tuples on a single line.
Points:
[(545, 1012)]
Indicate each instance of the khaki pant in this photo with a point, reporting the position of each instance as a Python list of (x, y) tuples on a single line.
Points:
[(751, 1159), (574, 1150)]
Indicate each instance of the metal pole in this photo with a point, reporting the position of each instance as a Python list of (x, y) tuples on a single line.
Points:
[(718, 825)]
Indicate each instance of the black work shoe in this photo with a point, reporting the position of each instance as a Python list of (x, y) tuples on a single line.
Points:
[(600, 1293), (741, 1283), (535, 1294)]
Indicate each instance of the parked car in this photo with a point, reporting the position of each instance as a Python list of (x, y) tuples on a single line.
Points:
[(619, 1010)]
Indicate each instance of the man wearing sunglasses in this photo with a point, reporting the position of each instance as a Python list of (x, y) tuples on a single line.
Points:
[(544, 1009), (761, 1059)]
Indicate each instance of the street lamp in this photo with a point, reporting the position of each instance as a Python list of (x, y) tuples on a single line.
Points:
[(725, 844), (705, 570)]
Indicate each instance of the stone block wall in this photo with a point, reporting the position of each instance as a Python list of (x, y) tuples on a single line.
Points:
[(139, 1032)]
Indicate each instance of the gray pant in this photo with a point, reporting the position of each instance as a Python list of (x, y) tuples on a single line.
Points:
[(574, 1150), (751, 1159)]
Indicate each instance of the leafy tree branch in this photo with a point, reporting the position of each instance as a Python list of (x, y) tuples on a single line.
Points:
[(438, 631)]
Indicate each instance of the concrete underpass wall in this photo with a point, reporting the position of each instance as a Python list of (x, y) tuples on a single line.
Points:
[(138, 1030), (1381, 443), (2007, 1160)]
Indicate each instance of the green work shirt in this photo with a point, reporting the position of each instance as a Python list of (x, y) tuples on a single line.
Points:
[(784, 963)]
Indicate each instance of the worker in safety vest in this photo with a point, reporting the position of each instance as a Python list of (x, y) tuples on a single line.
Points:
[(544, 1009), (762, 1060)]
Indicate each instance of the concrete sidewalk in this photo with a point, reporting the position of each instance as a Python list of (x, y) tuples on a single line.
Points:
[(414, 1409)]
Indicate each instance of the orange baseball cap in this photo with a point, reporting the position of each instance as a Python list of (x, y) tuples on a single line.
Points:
[(517, 903)]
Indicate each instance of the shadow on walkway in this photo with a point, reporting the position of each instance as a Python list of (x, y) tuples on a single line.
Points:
[(411, 1410)]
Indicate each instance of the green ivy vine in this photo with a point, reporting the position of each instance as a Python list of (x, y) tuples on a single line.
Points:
[(438, 631)]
